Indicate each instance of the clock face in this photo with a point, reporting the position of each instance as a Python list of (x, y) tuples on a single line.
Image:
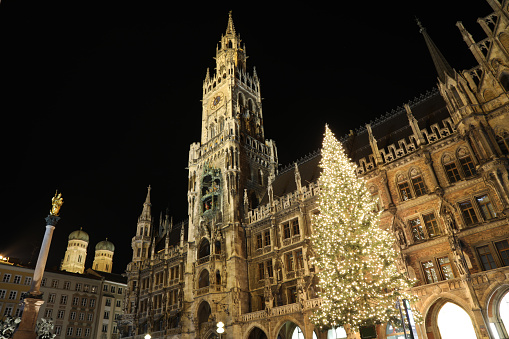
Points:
[(216, 101)]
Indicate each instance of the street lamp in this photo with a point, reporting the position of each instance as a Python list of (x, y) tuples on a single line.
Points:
[(220, 328), (148, 336)]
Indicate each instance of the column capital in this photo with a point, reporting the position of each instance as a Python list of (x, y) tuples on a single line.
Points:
[(52, 220)]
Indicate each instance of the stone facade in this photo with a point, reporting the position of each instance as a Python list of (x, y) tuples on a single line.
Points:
[(438, 167), (80, 305)]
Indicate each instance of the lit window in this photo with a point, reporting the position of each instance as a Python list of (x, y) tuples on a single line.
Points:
[(429, 272), (8, 310), (445, 267), (404, 191), (418, 185), (416, 229), (431, 225), (486, 207), (63, 299), (487, 260)]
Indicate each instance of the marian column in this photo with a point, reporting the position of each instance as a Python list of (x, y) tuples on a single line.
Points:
[(33, 300)]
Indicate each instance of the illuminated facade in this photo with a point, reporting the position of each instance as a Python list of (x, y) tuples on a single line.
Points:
[(438, 166), (84, 305)]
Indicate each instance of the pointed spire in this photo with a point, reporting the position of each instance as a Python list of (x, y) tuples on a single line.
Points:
[(374, 145), (442, 66), (230, 29), (146, 214)]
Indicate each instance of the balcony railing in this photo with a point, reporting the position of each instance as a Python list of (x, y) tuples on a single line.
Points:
[(282, 310)]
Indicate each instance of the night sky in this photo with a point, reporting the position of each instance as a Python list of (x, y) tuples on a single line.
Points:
[(101, 100)]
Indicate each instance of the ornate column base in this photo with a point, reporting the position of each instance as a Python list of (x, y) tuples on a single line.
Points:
[(26, 329)]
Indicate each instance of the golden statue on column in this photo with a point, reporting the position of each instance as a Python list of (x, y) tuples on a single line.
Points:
[(56, 203)]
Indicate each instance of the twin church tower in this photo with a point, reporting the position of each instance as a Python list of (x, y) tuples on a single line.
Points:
[(76, 254)]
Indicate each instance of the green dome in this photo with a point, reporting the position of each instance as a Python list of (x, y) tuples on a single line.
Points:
[(79, 235), (105, 245)]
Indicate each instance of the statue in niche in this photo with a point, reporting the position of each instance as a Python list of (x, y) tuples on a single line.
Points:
[(450, 224), (268, 297), (400, 236)]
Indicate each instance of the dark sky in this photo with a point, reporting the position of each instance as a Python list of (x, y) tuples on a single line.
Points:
[(101, 100)]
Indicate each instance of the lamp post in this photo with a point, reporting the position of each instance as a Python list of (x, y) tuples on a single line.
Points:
[(220, 328), (148, 336)]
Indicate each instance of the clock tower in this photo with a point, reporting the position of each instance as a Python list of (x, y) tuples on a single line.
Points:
[(229, 171)]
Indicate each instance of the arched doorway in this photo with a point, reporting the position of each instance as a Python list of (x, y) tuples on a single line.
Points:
[(336, 333), (504, 312), (257, 333), (453, 322), (290, 330), (203, 315)]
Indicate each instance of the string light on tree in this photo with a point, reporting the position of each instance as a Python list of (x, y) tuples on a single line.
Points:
[(359, 281)]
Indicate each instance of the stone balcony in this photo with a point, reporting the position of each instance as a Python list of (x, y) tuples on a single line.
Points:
[(282, 310)]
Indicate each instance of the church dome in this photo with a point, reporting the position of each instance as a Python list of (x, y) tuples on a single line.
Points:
[(79, 235), (105, 245)]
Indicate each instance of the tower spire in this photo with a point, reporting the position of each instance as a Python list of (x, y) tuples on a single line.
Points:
[(147, 207), (442, 66), (230, 29)]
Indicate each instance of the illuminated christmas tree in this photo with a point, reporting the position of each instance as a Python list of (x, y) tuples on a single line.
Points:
[(359, 281)]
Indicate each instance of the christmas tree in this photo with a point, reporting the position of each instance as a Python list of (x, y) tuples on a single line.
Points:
[(359, 283)]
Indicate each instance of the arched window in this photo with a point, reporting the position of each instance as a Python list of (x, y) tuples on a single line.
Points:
[(503, 142), (203, 280), (417, 181), (204, 249), (450, 168), (466, 162)]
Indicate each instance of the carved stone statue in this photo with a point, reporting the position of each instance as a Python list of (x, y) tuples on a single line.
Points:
[(56, 203)]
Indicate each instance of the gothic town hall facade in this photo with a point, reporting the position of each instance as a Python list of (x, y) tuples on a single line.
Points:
[(439, 167)]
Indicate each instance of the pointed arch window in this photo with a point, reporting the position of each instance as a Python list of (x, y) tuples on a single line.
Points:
[(450, 168)]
